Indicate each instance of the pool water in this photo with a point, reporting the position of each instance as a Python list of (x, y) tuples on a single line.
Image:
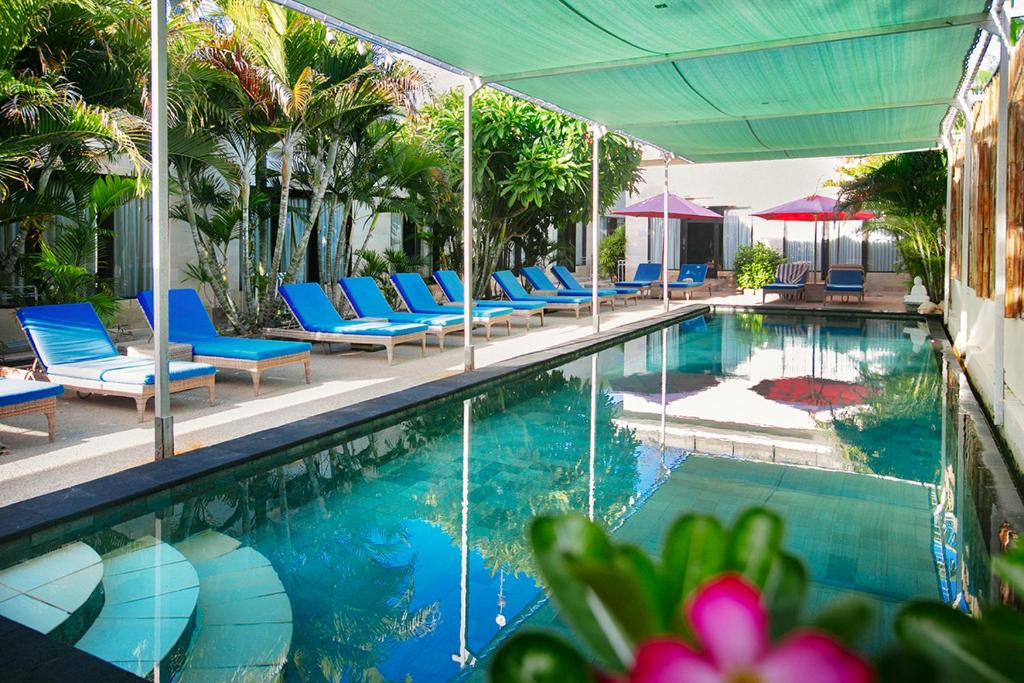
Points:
[(398, 553)]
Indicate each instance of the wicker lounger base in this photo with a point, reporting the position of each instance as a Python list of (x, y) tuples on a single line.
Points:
[(527, 314), (488, 322), (47, 406), (388, 343), (441, 331), (569, 306), (256, 367), (846, 296), (635, 296), (140, 392)]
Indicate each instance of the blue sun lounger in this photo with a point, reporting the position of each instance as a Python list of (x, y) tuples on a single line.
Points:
[(541, 284), (691, 276), (188, 323), (646, 275), (22, 396), (419, 299), (72, 346), (514, 290), (845, 282), (790, 279), (569, 281), (319, 321), (369, 302), (451, 285)]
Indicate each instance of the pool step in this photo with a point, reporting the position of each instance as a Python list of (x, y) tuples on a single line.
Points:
[(151, 592), (59, 593), (244, 627)]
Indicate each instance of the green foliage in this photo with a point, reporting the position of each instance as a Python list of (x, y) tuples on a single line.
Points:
[(612, 250), (380, 265), (755, 265), (531, 171), (908, 191)]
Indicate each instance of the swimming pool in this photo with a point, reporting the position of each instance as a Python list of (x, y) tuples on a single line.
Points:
[(397, 549)]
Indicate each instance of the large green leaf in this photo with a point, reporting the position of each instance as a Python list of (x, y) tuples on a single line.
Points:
[(1010, 567), (538, 658), (846, 619), (696, 548), (558, 542), (754, 544), (783, 592)]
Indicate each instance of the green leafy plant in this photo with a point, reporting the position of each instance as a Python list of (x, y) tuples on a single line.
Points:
[(754, 265), (612, 250), (381, 264)]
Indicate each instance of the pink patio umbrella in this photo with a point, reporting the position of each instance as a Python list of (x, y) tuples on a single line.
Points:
[(813, 208), (665, 206)]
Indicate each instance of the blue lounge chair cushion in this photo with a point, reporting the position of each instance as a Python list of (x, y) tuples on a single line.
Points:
[(697, 272), (65, 333), (368, 302), (415, 293), (685, 285), (783, 286), (451, 284), (315, 313), (515, 291), (241, 348), (190, 324), (16, 391), (569, 281), (127, 370), (538, 279), (844, 288), (645, 274), (848, 279), (431, 319)]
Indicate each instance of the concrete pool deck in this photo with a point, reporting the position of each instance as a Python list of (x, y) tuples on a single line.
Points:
[(98, 436)]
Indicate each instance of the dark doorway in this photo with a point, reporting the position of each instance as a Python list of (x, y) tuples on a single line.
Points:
[(701, 243)]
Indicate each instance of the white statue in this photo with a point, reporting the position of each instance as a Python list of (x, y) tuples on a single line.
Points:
[(918, 295)]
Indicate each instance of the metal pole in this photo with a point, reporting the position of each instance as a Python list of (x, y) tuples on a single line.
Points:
[(999, 342), (595, 220), (593, 434), (469, 89), (163, 424), (664, 238), (463, 656), (965, 216), (949, 226)]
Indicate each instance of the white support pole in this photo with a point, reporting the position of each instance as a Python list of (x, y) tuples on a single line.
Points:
[(595, 221), (664, 238), (469, 89), (163, 424), (1002, 158), (965, 216), (463, 657), (948, 144), (593, 436)]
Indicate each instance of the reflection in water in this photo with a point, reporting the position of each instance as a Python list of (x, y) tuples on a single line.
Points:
[(403, 550)]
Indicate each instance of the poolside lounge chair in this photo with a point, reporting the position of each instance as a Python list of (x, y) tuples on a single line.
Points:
[(845, 281), (369, 302), (74, 349), (691, 277), (451, 285), (419, 299), (569, 281), (515, 291), (188, 323), (542, 285), (22, 396), (646, 275), (319, 321), (790, 279)]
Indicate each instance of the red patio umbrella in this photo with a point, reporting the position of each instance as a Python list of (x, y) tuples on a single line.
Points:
[(811, 393), (654, 207), (812, 209)]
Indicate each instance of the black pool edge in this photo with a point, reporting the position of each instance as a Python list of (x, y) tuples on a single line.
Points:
[(26, 517)]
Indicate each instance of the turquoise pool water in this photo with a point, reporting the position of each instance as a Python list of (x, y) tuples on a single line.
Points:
[(397, 553)]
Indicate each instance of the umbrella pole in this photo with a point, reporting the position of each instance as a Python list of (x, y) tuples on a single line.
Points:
[(814, 253), (664, 240)]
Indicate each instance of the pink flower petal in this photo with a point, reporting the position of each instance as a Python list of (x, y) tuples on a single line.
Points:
[(730, 621), (663, 660), (810, 656)]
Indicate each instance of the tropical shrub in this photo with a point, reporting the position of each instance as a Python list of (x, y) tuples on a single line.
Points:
[(612, 250), (754, 265)]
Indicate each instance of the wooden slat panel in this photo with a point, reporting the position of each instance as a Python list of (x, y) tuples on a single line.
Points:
[(1014, 305)]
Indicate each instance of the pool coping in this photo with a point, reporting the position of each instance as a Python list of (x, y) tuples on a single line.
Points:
[(32, 515)]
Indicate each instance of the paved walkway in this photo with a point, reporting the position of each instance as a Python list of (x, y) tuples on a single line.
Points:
[(100, 435)]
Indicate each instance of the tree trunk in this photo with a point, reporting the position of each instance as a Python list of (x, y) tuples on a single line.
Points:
[(319, 190), (287, 150)]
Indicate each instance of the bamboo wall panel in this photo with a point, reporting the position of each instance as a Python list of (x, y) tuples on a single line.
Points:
[(981, 237), (1015, 191), (956, 208)]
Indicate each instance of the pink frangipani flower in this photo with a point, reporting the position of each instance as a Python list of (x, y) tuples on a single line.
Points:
[(731, 625)]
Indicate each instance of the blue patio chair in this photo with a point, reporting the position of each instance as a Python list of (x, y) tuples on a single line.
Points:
[(188, 323), (569, 281), (451, 286), (22, 396), (514, 290), (419, 299), (319, 321), (541, 284), (845, 282), (691, 277), (646, 275), (790, 279), (369, 302), (72, 346)]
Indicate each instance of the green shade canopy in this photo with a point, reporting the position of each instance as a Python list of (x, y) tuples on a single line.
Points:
[(710, 81)]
